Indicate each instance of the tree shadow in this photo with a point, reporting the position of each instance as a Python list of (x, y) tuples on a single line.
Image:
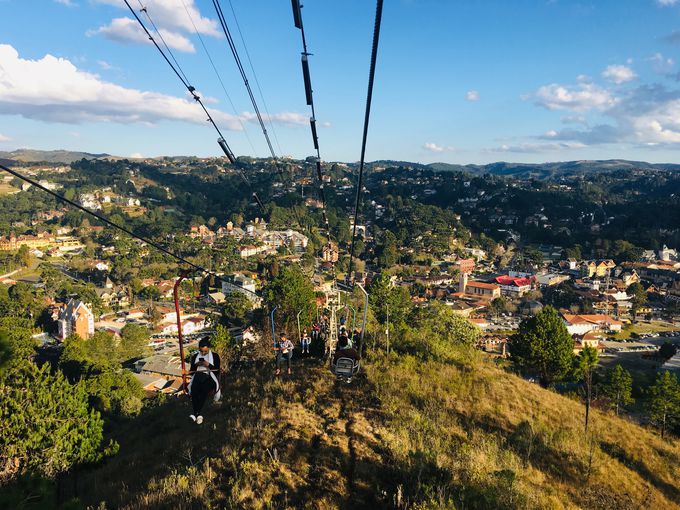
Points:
[(671, 491)]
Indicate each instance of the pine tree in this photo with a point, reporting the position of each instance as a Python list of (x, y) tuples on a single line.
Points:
[(663, 407), (47, 425), (617, 387), (584, 368), (543, 346)]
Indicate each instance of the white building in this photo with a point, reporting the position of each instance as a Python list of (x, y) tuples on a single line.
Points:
[(75, 317), (242, 284)]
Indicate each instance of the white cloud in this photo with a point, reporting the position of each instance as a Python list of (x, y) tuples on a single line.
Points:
[(136, 155), (575, 119), (472, 95), (104, 65), (127, 30), (535, 148), (289, 118), (433, 147), (67, 3), (53, 89), (170, 14), (551, 133), (4, 138), (618, 74), (580, 98), (666, 3), (661, 64), (648, 116), (326, 124)]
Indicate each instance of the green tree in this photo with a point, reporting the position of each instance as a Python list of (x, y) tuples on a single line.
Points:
[(24, 256), (224, 345), (639, 297), (585, 365), (438, 333), (293, 293), (667, 350), (236, 307), (134, 341), (663, 406), (498, 306), (543, 346), (95, 363), (114, 392), (47, 425), (5, 350), (618, 387), (384, 298), (388, 250)]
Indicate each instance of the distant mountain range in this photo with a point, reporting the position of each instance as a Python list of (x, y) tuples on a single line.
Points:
[(36, 156), (543, 170), (523, 170)]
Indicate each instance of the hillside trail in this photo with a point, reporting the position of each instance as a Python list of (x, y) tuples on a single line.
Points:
[(304, 440)]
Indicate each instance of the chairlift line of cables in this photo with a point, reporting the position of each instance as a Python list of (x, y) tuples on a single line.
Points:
[(217, 74), (367, 116), (257, 82), (180, 74), (309, 96), (239, 65), (110, 223), (192, 90)]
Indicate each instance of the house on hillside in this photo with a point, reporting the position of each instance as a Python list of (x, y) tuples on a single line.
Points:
[(582, 324), (242, 284), (75, 317), (514, 286), (483, 290), (591, 339)]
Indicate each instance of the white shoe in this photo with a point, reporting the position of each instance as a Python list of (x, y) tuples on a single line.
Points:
[(193, 418), (199, 419)]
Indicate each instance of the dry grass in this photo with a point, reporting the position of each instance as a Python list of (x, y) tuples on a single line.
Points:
[(299, 442), (484, 433), (407, 434)]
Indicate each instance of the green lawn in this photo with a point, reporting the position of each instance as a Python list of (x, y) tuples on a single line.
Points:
[(641, 327)]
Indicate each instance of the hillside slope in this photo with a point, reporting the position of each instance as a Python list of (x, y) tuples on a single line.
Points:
[(406, 434), (56, 156)]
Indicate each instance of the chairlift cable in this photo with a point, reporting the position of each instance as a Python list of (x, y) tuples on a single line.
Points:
[(219, 77), (179, 73), (297, 20), (257, 82), (367, 116)]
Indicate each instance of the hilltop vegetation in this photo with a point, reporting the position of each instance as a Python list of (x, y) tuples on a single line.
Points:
[(431, 424), (410, 433)]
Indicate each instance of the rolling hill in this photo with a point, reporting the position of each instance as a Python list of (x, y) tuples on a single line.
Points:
[(56, 156), (407, 433)]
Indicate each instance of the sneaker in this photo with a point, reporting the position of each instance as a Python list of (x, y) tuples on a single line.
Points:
[(199, 419), (193, 418)]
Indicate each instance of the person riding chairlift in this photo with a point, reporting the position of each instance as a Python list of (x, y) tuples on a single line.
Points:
[(284, 349), (305, 341), (205, 366), (345, 350)]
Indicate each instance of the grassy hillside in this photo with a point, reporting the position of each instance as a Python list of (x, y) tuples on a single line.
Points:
[(57, 156), (406, 434)]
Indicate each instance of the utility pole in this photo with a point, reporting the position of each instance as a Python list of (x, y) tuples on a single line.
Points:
[(387, 331)]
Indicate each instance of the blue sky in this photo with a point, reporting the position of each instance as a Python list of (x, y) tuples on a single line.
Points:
[(461, 81)]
